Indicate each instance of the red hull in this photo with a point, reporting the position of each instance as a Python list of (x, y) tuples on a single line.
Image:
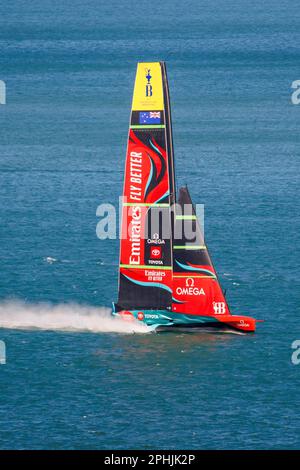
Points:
[(238, 322)]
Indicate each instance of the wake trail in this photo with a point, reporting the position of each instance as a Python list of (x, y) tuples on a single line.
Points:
[(64, 317)]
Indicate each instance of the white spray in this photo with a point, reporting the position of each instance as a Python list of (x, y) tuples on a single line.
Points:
[(65, 317)]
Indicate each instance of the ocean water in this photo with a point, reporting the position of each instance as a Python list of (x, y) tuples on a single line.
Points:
[(73, 379)]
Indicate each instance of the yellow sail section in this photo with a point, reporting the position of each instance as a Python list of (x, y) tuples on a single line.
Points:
[(148, 89)]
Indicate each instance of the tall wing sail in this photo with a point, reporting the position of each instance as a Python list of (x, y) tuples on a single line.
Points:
[(196, 289), (145, 276)]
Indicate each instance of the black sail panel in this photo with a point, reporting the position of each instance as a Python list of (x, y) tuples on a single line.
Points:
[(196, 289)]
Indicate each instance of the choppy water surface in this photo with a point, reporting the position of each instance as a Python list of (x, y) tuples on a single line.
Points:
[(73, 378)]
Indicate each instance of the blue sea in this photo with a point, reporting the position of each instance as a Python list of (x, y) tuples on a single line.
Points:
[(72, 379)]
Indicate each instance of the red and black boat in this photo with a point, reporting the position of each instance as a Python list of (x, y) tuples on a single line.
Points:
[(166, 275)]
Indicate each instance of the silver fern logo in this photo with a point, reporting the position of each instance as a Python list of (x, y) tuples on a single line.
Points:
[(2, 92), (2, 352)]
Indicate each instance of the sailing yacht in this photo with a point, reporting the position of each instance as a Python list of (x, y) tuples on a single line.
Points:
[(166, 275)]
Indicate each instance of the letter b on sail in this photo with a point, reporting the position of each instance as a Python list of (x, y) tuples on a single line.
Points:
[(148, 90)]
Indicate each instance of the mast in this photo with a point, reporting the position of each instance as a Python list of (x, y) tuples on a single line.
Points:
[(145, 274), (169, 134)]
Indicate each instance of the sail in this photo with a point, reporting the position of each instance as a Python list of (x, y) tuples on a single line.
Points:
[(196, 289), (145, 275)]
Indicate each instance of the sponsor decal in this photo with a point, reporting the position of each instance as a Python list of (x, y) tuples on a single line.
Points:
[(152, 316), (155, 275), (135, 235), (155, 261), (155, 252), (148, 90), (140, 316), (219, 308), (244, 324), (148, 84), (189, 291), (155, 240), (190, 288), (126, 315)]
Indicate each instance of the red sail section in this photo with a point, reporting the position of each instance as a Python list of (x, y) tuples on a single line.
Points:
[(145, 253), (196, 289), (146, 173)]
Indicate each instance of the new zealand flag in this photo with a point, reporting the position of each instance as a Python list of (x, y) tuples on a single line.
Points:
[(150, 117)]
